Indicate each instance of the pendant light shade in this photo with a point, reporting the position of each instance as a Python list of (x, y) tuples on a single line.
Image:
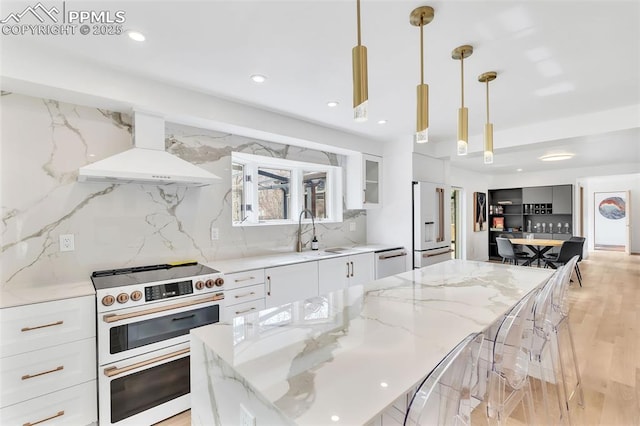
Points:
[(360, 80), (459, 53), (420, 17), (488, 127)]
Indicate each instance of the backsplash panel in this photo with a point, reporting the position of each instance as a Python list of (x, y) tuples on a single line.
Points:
[(43, 144)]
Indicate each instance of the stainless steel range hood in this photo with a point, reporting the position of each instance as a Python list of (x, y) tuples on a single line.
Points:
[(147, 161)]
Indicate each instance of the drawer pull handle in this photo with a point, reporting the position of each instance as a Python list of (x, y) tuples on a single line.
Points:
[(246, 310), (382, 257), (114, 371), (244, 279), (42, 326), (59, 414), (31, 376), (238, 296)]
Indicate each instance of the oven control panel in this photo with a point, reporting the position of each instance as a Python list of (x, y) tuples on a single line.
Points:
[(136, 295), (168, 290)]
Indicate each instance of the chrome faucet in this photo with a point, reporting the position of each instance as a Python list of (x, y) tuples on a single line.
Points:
[(299, 244)]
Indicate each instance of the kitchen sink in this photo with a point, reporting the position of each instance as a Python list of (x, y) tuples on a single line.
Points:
[(336, 250)]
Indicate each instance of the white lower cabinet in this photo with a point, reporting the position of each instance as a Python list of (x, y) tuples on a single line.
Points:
[(340, 272), (48, 363), (290, 283), (244, 293), (74, 406)]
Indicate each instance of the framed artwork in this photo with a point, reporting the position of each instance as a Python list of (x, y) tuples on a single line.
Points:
[(479, 211)]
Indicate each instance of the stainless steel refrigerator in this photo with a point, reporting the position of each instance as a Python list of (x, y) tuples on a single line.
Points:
[(431, 223)]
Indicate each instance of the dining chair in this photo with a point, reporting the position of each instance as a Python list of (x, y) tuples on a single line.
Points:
[(560, 329), (568, 250), (444, 396), (509, 384), (506, 251), (544, 349)]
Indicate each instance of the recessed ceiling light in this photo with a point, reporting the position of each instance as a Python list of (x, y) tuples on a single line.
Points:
[(518, 170), (135, 35), (382, 121), (258, 78), (556, 157), (332, 104), (335, 418), (384, 384)]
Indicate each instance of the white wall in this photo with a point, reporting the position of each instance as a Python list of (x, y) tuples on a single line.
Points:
[(475, 244), (617, 183)]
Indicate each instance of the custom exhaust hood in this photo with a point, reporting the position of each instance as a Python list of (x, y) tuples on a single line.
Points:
[(147, 161)]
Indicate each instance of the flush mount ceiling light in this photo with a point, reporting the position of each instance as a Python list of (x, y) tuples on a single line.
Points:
[(258, 78), (488, 127), (420, 17), (332, 104), (459, 53), (556, 157), (136, 35), (360, 80)]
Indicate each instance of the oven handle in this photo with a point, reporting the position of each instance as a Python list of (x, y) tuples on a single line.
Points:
[(119, 317), (114, 371)]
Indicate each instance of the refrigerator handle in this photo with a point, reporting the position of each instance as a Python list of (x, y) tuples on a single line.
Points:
[(440, 193)]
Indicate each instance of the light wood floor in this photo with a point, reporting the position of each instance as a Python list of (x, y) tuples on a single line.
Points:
[(605, 320)]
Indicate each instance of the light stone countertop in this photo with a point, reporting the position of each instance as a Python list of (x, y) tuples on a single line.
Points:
[(11, 296), (350, 354), (242, 264)]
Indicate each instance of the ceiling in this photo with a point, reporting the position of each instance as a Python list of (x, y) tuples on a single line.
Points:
[(554, 59)]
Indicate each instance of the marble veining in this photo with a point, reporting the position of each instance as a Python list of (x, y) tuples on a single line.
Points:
[(356, 351), (117, 225)]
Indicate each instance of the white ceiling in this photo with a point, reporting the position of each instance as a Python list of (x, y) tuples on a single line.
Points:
[(554, 59)]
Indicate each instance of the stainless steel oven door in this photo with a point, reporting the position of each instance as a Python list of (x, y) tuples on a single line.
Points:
[(145, 389), (131, 332)]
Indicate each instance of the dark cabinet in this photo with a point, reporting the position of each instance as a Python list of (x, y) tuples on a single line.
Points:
[(545, 211), (562, 199)]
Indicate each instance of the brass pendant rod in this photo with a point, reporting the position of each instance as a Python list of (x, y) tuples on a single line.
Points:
[(487, 101), (358, 8), (421, 51), (462, 79)]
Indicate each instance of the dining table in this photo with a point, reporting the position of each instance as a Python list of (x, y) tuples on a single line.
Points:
[(347, 357), (538, 246)]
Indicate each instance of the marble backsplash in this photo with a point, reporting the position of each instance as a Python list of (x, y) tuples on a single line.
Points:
[(44, 142)]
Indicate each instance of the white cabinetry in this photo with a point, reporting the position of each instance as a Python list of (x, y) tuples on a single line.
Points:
[(364, 181), (290, 283), (340, 272), (48, 367), (244, 293)]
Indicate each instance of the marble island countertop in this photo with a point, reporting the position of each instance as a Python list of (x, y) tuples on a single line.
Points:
[(242, 264), (343, 358)]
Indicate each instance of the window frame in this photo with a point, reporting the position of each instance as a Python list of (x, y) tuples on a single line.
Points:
[(252, 162)]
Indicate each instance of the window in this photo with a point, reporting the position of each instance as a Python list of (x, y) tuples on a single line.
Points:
[(271, 191)]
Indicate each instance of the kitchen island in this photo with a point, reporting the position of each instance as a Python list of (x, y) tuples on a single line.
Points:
[(345, 357)]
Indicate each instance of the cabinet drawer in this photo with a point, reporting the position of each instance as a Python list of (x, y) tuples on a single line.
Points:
[(243, 279), (243, 308), (244, 294), (72, 406), (30, 327), (36, 373)]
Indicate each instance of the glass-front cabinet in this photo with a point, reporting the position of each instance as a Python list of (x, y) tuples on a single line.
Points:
[(364, 181)]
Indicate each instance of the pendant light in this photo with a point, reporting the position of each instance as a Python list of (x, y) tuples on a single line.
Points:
[(360, 83), (459, 53), (488, 127), (420, 17)]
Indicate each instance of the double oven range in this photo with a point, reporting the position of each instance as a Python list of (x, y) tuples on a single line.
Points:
[(144, 317)]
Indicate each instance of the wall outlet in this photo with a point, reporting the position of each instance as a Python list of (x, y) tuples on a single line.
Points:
[(67, 242), (352, 226), (215, 234), (246, 418)]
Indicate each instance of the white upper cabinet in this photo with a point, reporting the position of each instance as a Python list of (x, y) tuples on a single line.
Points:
[(364, 181)]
